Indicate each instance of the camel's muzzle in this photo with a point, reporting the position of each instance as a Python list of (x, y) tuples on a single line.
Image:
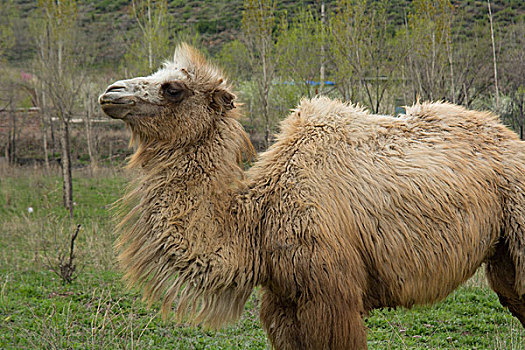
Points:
[(116, 102)]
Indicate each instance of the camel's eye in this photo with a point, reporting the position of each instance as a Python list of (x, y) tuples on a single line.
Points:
[(175, 91)]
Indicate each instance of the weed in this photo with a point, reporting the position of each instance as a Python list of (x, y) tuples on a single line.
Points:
[(66, 265)]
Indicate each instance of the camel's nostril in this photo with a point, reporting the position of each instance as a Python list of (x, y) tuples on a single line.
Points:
[(116, 88)]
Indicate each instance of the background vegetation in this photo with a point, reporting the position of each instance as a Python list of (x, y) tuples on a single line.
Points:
[(59, 156), (379, 53)]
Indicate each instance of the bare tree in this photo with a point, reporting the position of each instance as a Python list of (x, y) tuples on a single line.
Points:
[(347, 27), (428, 37), (299, 49), (13, 129), (59, 58), (322, 69), (469, 74), (7, 36), (513, 77), (90, 98), (365, 55), (494, 63), (9, 99), (45, 122), (151, 44), (7, 91), (381, 56), (258, 23)]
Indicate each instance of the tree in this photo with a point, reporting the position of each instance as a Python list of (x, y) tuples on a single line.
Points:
[(494, 61), (7, 90), (364, 51), (258, 22), (514, 76), (428, 41), (9, 85), (470, 75), (346, 29), (381, 56), (89, 93), (7, 37), (234, 58), (9, 100), (152, 44), (299, 49), (59, 58)]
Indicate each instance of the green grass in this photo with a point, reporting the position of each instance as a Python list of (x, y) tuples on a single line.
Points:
[(96, 311)]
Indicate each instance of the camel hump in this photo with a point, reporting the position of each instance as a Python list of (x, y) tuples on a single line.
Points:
[(322, 110), (449, 113)]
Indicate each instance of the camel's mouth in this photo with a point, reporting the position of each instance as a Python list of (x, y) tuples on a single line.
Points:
[(115, 104), (117, 109), (106, 103)]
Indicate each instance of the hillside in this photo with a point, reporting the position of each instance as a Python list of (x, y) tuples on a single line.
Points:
[(108, 26)]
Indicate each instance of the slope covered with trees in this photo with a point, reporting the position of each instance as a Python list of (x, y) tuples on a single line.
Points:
[(380, 53)]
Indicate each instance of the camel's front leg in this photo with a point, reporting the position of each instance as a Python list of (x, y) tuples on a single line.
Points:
[(314, 325), (279, 320)]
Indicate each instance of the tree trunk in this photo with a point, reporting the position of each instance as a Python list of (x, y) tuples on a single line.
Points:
[(265, 95), (11, 146), (66, 167), (451, 71), (493, 55), (522, 121), (266, 119), (322, 70), (150, 38), (89, 137), (110, 153), (53, 135), (44, 128), (44, 140)]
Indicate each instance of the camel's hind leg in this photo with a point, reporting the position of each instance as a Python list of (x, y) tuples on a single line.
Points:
[(501, 273)]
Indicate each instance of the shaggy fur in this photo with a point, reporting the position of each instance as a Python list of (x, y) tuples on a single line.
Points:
[(345, 213)]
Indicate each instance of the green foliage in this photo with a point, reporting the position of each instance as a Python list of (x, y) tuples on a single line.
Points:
[(110, 5), (429, 41), (234, 59), (430, 24), (452, 324), (347, 28), (151, 45), (7, 16), (258, 22), (61, 16), (300, 49), (60, 54)]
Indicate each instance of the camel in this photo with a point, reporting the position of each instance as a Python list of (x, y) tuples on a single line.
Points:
[(345, 213)]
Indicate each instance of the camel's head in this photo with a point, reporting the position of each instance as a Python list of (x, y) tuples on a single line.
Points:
[(178, 103)]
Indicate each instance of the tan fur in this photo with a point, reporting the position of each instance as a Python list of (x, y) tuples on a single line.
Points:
[(345, 213)]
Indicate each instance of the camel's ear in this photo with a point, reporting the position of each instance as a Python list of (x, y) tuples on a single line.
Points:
[(222, 100)]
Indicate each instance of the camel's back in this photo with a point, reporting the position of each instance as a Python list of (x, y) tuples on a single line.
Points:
[(411, 194), (323, 132)]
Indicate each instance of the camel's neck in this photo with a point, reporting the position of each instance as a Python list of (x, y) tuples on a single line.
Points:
[(182, 240)]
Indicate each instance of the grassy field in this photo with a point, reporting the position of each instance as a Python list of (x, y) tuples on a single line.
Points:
[(96, 311)]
